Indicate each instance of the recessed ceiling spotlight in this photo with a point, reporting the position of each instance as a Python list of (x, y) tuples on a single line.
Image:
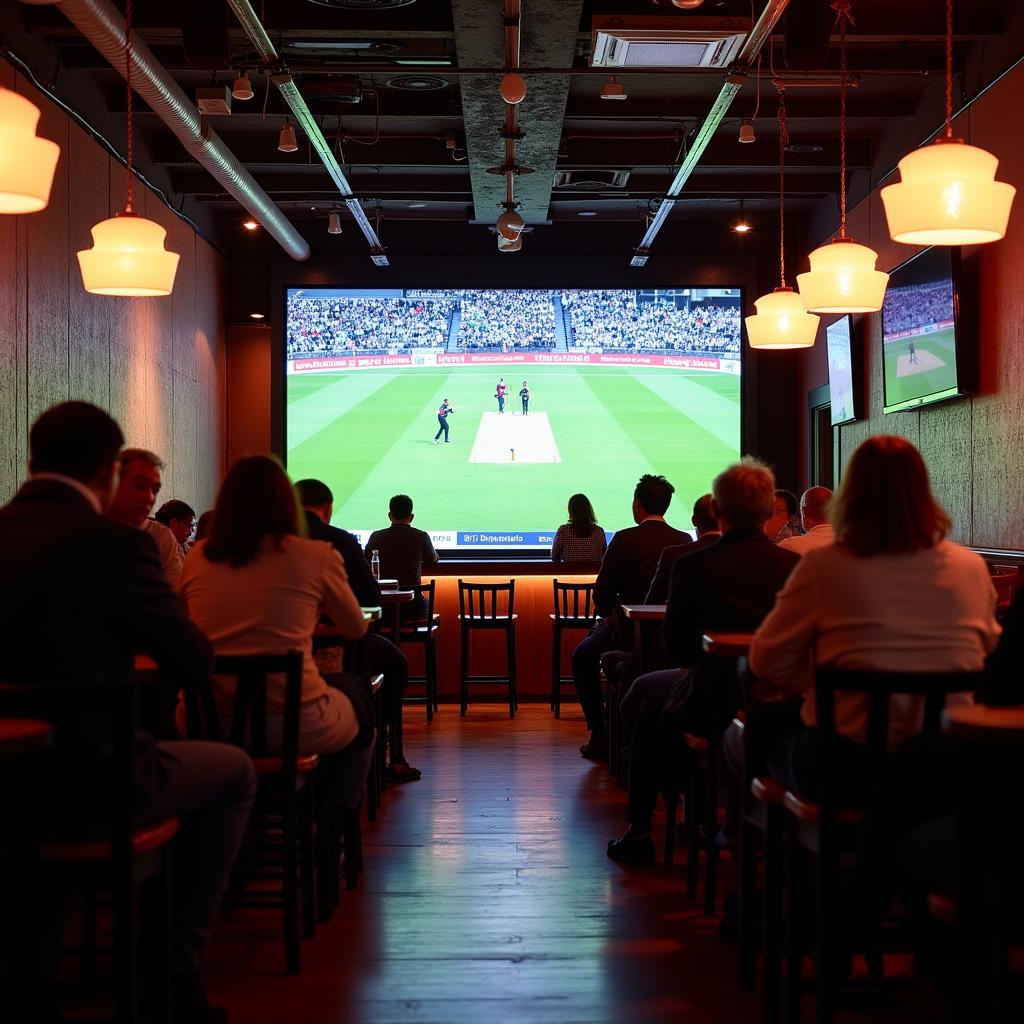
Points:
[(250, 225), (803, 147), (417, 206), (586, 213), (255, 316), (742, 227)]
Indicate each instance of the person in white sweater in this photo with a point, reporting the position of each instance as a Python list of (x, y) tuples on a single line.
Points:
[(257, 586), (818, 531), (892, 594)]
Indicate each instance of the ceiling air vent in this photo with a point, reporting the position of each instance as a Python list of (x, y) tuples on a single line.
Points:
[(589, 180), (363, 5), (418, 83), (667, 42)]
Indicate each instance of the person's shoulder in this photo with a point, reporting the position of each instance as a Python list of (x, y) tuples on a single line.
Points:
[(961, 557), (160, 533)]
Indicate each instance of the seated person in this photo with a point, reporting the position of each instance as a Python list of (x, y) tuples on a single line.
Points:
[(727, 586), (180, 518), (318, 505), (403, 549), (69, 571), (137, 489), (256, 585), (891, 594), (622, 666), (818, 532), (625, 576), (580, 539), (785, 520)]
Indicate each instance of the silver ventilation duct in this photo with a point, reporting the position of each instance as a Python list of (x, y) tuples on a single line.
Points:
[(103, 26)]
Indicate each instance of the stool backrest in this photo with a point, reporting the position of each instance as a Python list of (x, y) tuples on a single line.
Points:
[(490, 601), (877, 689), (423, 597), (89, 785), (574, 601)]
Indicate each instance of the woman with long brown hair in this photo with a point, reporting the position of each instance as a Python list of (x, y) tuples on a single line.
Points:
[(891, 594), (580, 539), (257, 585)]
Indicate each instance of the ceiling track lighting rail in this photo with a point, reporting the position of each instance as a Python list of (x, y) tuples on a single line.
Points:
[(282, 78), (102, 25), (737, 76)]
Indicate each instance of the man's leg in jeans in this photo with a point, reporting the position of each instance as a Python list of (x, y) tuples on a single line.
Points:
[(210, 787), (389, 660), (586, 667), (652, 684)]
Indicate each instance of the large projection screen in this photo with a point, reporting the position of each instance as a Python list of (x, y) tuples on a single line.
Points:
[(621, 382)]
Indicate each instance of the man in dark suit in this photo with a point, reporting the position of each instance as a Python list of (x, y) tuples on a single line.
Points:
[(624, 578), (318, 502), (80, 595), (727, 586), (660, 680)]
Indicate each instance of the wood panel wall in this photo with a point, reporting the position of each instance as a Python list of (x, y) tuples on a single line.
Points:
[(155, 364), (973, 446)]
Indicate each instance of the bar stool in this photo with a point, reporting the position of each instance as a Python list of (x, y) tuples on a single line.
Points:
[(480, 608), (574, 610), (424, 631), (23, 744)]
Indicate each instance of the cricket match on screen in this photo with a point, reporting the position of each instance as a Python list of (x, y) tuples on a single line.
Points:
[(490, 408)]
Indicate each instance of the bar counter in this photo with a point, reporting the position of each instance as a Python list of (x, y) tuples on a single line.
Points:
[(534, 605)]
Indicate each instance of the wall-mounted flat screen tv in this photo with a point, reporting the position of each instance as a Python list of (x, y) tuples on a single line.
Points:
[(549, 392), (922, 346), (839, 343)]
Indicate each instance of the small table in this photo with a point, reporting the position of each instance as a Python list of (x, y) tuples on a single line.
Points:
[(639, 614), (387, 584), (727, 645)]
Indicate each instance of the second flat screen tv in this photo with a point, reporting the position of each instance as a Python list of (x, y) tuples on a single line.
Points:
[(920, 327), (840, 371)]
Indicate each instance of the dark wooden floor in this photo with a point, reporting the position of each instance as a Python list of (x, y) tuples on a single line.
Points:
[(488, 897)]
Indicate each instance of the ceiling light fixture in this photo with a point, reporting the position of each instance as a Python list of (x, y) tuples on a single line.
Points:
[(587, 213), (947, 193), (334, 223), (843, 278), (747, 131), (286, 141), (241, 89), (256, 316), (27, 162), (742, 226), (510, 245), (687, 5), (250, 225), (513, 89), (510, 225), (781, 320), (613, 89), (127, 255)]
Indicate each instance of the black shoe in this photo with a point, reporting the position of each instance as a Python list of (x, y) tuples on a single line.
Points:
[(595, 749), (188, 1002), (630, 850), (402, 771)]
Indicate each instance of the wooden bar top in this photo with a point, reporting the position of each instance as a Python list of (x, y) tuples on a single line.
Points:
[(727, 645), (644, 612), (487, 567)]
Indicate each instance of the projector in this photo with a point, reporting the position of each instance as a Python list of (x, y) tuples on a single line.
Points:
[(214, 101)]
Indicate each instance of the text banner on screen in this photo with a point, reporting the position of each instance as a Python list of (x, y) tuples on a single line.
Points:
[(331, 363)]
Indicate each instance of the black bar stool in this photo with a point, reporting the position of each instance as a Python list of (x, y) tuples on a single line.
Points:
[(423, 630), (488, 606), (574, 609)]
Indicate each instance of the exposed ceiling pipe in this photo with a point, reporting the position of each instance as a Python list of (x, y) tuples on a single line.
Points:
[(758, 36), (103, 26), (282, 78)]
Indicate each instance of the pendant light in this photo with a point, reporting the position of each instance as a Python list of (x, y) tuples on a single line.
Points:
[(947, 193), (27, 162), (843, 278), (781, 320), (127, 255), (286, 140)]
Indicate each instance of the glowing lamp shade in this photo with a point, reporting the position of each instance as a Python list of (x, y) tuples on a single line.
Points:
[(509, 245), (843, 279), (948, 195), (781, 322), (27, 163), (128, 258)]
